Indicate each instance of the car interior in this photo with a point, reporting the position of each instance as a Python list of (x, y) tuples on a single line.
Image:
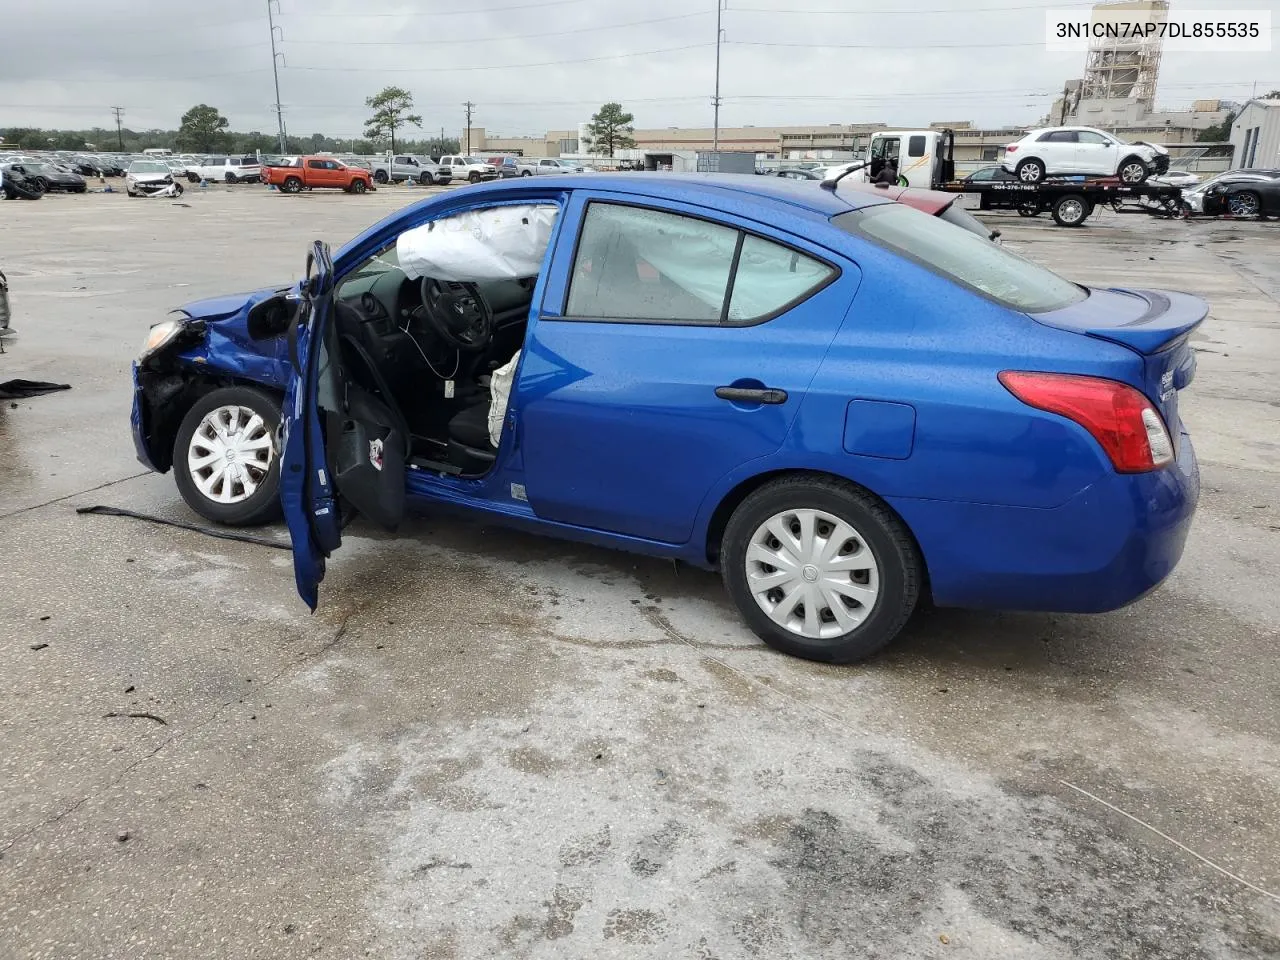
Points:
[(428, 345)]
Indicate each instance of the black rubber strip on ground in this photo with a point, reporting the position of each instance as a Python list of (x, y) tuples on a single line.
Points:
[(106, 511)]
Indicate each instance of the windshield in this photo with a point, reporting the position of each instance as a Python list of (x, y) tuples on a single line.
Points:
[(969, 259), (148, 166)]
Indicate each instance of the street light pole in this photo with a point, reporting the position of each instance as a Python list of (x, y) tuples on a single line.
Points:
[(275, 72)]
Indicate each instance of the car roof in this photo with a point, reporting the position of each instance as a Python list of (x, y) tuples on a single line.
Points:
[(708, 187)]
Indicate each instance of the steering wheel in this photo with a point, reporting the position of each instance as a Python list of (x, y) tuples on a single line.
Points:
[(461, 318)]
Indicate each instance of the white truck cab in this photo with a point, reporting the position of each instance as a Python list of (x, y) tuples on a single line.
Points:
[(924, 158)]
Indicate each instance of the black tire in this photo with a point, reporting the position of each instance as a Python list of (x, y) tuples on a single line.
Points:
[(230, 177), (1071, 210), (526, 173), (1246, 203), (900, 569), (193, 178), (1029, 210), (474, 177), (291, 185), (41, 184), (264, 505), (424, 179), (1030, 171), (358, 186), (380, 176), (177, 189), (1132, 170)]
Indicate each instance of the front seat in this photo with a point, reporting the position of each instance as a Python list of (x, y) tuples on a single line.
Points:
[(469, 445)]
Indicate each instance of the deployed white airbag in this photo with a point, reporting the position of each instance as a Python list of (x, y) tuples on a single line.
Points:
[(499, 395), (494, 243)]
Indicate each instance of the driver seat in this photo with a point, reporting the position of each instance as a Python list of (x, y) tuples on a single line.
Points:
[(469, 446)]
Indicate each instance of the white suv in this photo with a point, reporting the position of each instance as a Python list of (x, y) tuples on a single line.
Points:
[(226, 169), (470, 169), (1056, 151)]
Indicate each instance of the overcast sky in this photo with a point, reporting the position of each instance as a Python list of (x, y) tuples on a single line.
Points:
[(783, 61)]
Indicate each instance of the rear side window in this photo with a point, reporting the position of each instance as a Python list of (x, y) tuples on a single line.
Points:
[(649, 265), (915, 146), (964, 257)]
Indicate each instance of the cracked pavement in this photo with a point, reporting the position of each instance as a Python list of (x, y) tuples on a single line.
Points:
[(486, 744)]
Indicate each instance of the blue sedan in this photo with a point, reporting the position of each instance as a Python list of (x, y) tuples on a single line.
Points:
[(841, 403)]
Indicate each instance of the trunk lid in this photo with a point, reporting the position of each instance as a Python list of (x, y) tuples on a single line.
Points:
[(1155, 324)]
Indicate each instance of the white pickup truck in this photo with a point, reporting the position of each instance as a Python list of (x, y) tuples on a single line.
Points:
[(546, 165), (470, 169), (404, 167)]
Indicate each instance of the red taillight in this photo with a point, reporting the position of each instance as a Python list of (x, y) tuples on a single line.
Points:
[(1011, 148), (1122, 420)]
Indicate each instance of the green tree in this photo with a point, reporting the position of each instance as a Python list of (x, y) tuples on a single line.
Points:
[(203, 130), (610, 129), (1219, 132), (391, 111)]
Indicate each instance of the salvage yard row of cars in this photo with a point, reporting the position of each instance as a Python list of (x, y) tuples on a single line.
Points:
[(845, 405)]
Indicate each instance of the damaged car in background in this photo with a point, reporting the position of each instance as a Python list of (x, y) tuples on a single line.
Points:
[(842, 404), (151, 178)]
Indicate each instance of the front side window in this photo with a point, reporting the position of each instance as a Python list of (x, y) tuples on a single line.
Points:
[(964, 257), (638, 264)]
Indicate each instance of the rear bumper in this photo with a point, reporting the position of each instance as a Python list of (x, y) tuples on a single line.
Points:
[(1109, 545)]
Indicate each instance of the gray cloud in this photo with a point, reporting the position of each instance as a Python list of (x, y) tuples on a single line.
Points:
[(980, 60)]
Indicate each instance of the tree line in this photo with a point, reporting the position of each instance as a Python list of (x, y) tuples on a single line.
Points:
[(203, 129)]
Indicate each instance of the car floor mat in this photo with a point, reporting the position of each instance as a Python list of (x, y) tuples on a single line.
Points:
[(23, 389)]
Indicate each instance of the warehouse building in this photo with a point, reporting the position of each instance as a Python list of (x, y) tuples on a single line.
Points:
[(1255, 135)]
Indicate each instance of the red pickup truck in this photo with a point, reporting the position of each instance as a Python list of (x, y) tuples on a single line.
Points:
[(311, 173)]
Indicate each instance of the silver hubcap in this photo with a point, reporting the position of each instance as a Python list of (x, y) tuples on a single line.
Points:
[(812, 573), (1030, 173), (1071, 211), (230, 454), (1132, 173)]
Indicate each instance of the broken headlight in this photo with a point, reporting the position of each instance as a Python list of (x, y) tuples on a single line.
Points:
[(159, 337)]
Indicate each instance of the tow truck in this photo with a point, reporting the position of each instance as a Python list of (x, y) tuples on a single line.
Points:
[(926, 159)]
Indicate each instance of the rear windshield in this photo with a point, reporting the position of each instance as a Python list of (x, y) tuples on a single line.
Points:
[(969, 259)]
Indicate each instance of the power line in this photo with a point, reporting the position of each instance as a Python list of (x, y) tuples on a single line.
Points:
[(883, 46), (502, 66), (468, 12), (525, 36), (879, 12)]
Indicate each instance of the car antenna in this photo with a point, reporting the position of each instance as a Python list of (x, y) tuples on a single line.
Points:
[(831, 182)]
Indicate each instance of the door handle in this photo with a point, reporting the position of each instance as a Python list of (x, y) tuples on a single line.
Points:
[(752, 394)]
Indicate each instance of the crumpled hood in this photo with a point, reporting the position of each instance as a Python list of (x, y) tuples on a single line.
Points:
[(220, 308)]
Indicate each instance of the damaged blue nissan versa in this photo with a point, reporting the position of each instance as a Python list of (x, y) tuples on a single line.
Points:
[(841, 403)]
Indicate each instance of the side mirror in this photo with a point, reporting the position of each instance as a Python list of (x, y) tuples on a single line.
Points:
[(270, 318)]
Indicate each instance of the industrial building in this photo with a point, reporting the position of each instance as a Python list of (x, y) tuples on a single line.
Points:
[(1255, 135)]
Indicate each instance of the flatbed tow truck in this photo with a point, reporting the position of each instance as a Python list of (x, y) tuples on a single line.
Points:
[(925, 158)]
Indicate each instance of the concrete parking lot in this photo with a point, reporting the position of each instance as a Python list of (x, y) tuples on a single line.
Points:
[(485, 744)]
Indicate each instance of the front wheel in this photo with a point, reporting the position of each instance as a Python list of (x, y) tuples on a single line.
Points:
[(424, 179), (358, 186), (193, 178), (1029, 210), (225, 460), (820, 569), (1030, 171), (474, 177), (177, 189), (1244, 204), (1132, 171), (230, 178)]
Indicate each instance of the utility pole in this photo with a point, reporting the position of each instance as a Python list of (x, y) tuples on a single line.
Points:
[(715, 133), (275, 72), (470, 106), (119, 112)]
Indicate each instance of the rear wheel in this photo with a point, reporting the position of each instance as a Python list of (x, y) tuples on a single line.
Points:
[(1132, 170), (1030, 171), (1246, 203), (1071, 210), (526, 173), (225, 460), (820, 569), (358, 186), (1029, 210), (291, 185), (177, 189)]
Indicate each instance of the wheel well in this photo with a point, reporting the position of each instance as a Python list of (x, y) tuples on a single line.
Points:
[(733, 499), (168, 403)]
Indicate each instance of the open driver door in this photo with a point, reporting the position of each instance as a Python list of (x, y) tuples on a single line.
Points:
[(341, 445)]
